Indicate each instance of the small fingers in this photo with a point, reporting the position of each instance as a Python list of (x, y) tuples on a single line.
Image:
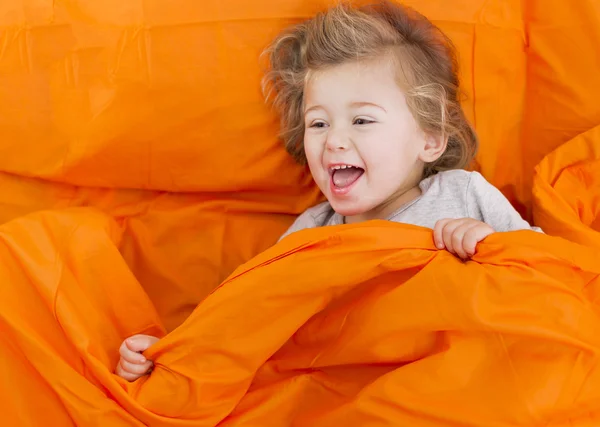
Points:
[(475, 235), (130, 355), (133, 364), (438, 238), (460, 236), (448, 234), (126, 375), (139, 343), (135, 368), (470, 241), (458, 239)]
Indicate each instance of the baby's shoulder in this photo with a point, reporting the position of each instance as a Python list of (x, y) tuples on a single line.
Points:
[(315, 216), (457, 177), (453, 183)]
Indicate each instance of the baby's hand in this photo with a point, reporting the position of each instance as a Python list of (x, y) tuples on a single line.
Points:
[(133, 364), (460, 236)]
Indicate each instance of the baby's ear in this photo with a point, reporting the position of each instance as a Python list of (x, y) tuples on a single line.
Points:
[(434, 147)]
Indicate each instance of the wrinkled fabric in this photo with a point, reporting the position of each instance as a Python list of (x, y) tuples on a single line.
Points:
[(385, 330), (143, 187), (567, 190), (152, 112)]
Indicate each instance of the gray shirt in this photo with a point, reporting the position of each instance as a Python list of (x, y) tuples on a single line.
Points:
[(452, 194)]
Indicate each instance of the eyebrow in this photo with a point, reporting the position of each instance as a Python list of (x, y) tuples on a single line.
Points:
[(367, 104), (353, 104), (314, 107)]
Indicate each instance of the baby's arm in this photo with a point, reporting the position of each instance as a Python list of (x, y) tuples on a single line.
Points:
[(133, 364)]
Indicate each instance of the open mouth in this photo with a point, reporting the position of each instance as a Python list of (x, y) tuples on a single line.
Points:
[(344, 176)]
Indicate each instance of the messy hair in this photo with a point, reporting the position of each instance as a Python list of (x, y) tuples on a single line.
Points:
[(424, 57)]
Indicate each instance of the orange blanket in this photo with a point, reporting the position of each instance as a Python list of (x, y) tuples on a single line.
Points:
[(385, 330)]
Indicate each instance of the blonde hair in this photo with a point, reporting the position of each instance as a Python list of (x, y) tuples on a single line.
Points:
[(425, 57)]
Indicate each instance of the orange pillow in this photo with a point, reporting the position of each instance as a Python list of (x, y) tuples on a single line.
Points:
[(167, 97), (563, 82)]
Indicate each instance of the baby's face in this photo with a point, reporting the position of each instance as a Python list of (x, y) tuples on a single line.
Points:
[(364, 147)]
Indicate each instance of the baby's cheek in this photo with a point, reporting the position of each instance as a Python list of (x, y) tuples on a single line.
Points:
[(314, 155)]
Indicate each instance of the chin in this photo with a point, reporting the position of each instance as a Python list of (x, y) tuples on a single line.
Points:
[(348, 208)]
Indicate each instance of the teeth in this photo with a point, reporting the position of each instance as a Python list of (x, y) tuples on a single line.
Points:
[(341, 167)]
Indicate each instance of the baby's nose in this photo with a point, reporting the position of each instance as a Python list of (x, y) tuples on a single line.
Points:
[(337, 140)]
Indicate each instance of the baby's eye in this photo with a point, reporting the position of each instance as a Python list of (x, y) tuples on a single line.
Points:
[(317, 125), (362, 121)]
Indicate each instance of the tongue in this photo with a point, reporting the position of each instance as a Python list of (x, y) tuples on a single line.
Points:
[(344, 177)]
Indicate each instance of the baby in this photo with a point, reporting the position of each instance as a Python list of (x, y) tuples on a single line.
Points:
[(369, 99)]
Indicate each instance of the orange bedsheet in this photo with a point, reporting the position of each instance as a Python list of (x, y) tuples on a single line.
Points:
[(385, 330)]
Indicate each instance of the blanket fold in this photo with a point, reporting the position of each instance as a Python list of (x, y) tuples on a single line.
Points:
[(355, 325), (567, 190)]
